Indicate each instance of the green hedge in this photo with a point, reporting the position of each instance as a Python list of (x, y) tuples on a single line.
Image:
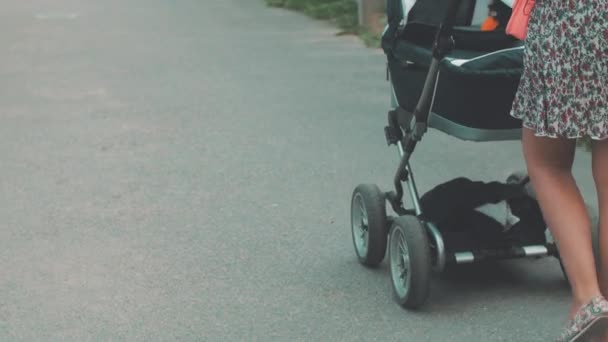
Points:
[(342, 12)]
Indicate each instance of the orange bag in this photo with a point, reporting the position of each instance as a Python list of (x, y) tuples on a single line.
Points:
[(518, 23)]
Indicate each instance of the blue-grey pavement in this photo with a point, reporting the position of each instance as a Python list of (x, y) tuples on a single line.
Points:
[(182, 171)]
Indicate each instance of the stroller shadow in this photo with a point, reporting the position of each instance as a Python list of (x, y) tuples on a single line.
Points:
[(466, 285)]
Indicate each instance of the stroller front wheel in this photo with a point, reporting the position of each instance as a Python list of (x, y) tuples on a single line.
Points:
[(369, 224), (410, 262)]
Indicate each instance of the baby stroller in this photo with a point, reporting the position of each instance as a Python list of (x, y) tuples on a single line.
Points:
[(444, 73)]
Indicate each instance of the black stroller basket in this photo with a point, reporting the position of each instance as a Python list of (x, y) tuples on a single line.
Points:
[(449, 75)]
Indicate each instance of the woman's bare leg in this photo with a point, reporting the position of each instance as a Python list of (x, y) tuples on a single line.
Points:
[(600, 175), (549, 162)]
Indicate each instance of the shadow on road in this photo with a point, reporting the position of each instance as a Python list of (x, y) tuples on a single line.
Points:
[(470, 286)]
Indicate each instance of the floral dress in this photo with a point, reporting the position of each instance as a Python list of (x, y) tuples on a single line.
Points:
[(564, 88)]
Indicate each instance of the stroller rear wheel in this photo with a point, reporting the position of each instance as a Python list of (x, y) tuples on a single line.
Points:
[(369, 224), (410, 261)]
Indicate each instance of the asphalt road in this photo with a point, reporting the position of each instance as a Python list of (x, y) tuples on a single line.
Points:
[(182, 171)]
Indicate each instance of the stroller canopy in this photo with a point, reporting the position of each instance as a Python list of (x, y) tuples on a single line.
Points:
[(471, 12)]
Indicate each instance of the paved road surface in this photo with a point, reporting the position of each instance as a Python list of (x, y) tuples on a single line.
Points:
[(182, 170)]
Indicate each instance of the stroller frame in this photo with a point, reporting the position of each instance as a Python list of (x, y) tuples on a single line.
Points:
[(405, 175), (416, 247)]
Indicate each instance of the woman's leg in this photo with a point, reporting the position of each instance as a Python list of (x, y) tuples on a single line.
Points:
[(600, 175), (549, 162)]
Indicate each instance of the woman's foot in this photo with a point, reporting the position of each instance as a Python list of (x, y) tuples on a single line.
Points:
[(579, 302), (589, 322)]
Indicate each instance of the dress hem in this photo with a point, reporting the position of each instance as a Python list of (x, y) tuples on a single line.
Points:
[(542, 134)]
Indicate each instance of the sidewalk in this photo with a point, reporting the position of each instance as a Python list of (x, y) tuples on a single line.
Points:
[(183, 171)]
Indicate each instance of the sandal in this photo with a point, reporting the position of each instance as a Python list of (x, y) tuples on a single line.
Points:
[(590, 321)]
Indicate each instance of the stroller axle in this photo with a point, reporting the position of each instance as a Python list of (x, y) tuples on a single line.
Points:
[(468, 257)]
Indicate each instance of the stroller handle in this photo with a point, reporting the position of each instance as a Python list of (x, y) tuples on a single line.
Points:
[(442, 46), (453, 6), (443, 40)]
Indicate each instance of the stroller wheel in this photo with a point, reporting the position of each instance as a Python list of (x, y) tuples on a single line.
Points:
[(410, 262), (368, 224)]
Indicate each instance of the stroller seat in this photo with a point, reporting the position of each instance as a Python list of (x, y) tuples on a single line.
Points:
[(476, 84)]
